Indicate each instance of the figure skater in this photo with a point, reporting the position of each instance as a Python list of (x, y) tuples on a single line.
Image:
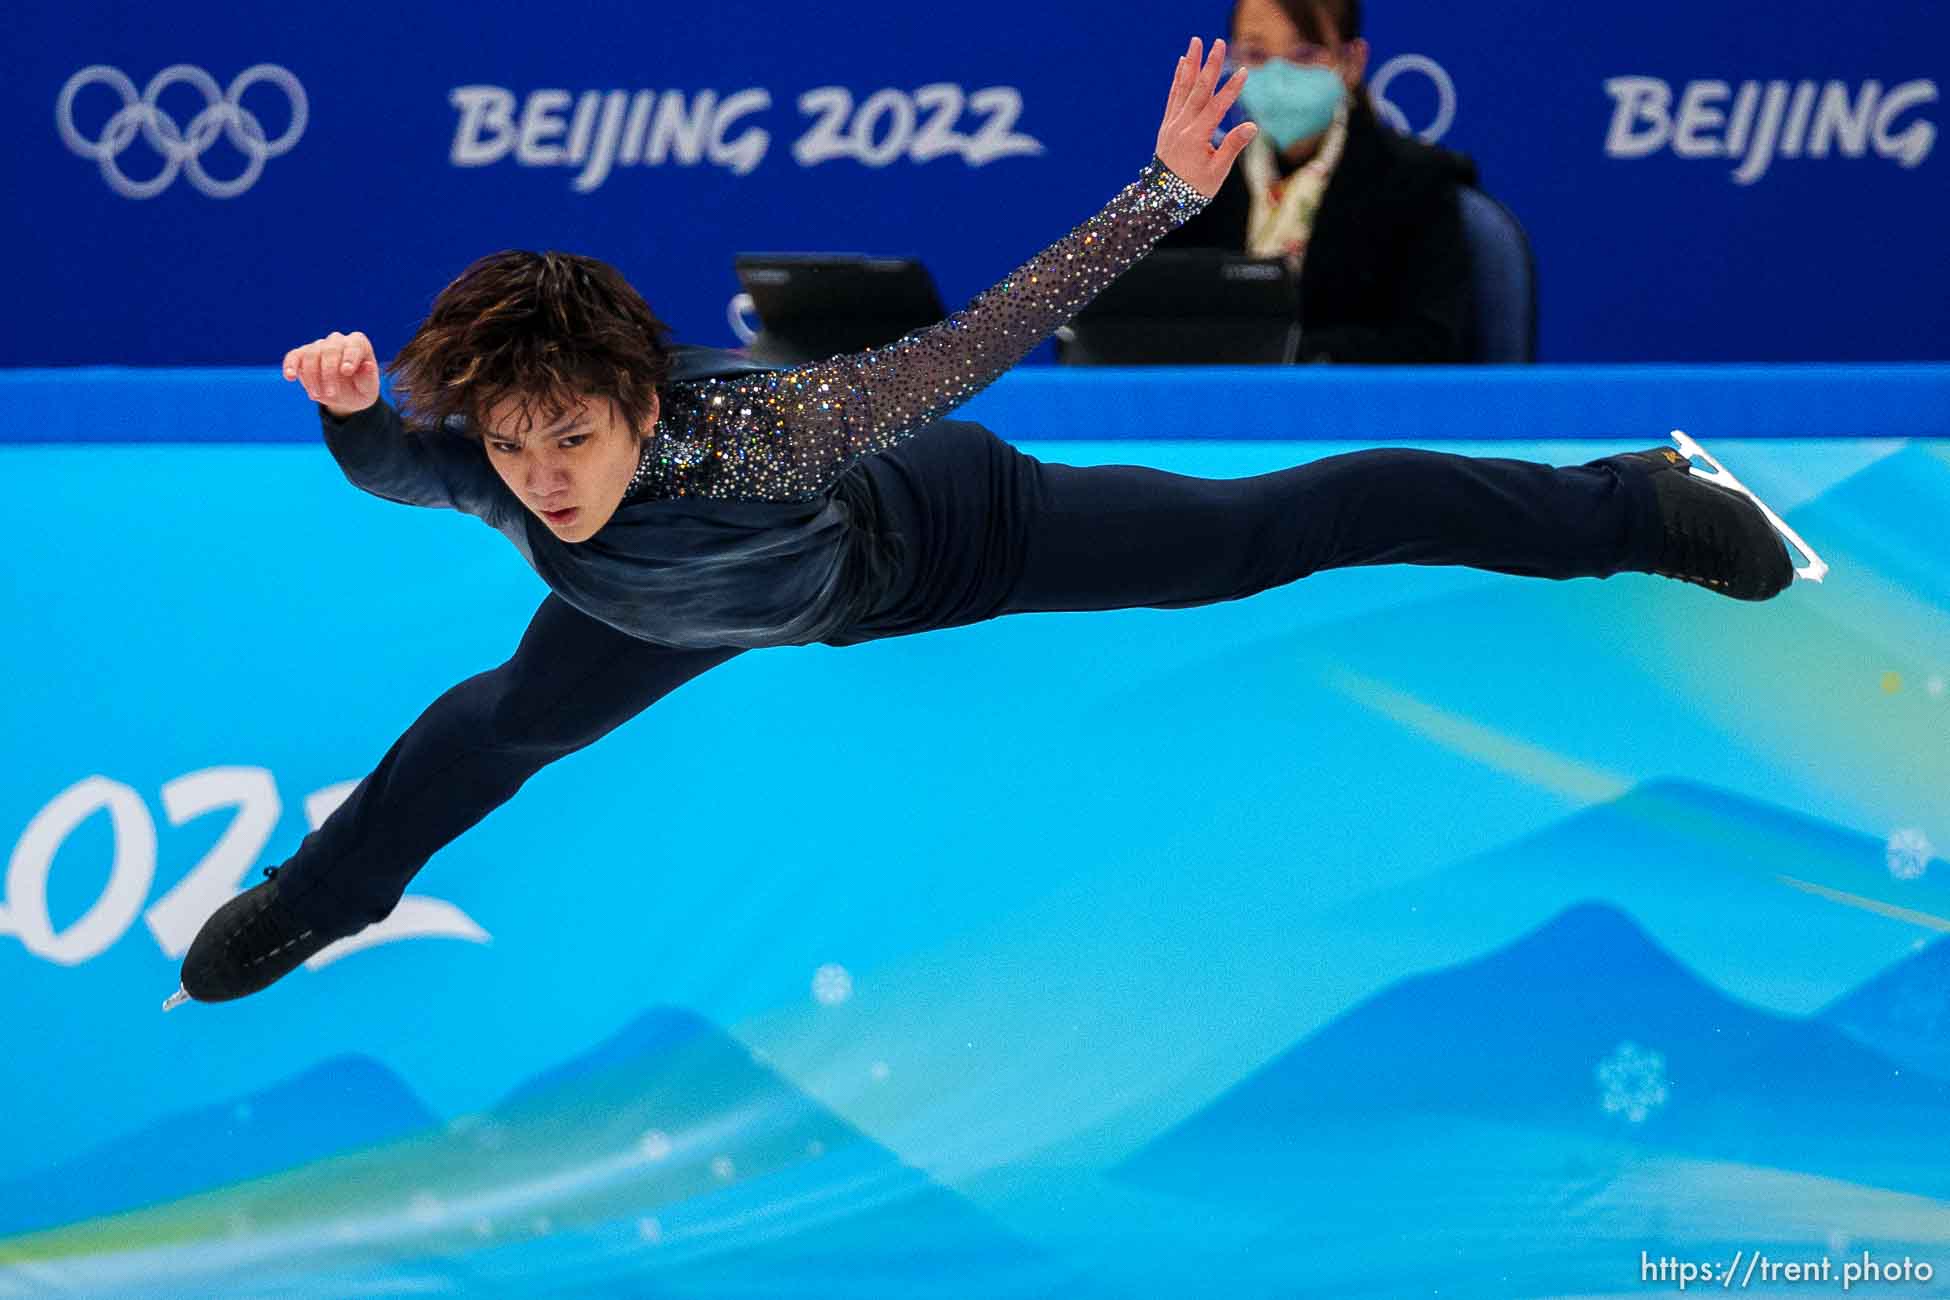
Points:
[(683, 509)]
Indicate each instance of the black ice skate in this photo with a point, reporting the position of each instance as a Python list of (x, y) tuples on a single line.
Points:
[(248, 944), (1715, 533)]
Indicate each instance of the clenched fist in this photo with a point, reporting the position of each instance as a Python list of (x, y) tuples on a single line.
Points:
[(339, 372)]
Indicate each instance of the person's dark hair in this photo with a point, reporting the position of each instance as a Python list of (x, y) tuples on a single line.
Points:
[(1318, 19), (543, 327)]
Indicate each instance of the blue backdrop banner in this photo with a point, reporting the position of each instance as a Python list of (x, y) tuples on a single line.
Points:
[(216, 183)]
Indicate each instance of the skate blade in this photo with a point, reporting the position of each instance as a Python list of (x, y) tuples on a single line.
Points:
[(176, 999), (1816, 568)]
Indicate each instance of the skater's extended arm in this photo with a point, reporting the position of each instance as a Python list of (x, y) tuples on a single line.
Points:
[(788, 436), (371, 444)]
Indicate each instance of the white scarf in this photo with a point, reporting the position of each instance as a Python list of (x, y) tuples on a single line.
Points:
[(1283, 212)]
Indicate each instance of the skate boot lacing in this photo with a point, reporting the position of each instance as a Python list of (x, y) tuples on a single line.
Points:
[(1694, 550), (270, 927)]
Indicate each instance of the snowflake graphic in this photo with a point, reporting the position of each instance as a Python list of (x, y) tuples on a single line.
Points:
[(1934, 686), (1632, 1081), (654, 1145), (723, 1169), (831, 985), (1908, 853)]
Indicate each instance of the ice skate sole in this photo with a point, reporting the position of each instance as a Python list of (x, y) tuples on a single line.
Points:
[(1816, 568)]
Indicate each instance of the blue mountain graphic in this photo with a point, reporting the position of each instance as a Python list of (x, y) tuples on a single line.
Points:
[(1518, 1038), (1691, 859), (1904, 1012), (733, 1141), (339, 1104), (653, 1034), (1689, 824), (665, 1160)]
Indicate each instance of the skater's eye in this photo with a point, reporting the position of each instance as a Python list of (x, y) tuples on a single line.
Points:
[(565, 443)]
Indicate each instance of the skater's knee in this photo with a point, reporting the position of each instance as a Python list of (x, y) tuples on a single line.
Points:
[(496, 710), (516, 715)]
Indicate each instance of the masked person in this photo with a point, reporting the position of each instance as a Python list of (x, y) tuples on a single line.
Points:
[(1368, 217)]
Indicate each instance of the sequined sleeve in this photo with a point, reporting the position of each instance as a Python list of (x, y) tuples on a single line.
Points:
[(787, 436)]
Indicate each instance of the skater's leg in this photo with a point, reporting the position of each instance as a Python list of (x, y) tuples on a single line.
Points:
[(572, 680), (1118, 536)]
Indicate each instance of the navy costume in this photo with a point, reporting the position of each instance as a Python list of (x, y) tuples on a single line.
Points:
[(833, 503)]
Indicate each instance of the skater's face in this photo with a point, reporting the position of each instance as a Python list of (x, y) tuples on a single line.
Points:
[(570, 468)]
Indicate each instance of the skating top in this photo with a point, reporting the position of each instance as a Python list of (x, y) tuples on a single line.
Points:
[(733, 533)]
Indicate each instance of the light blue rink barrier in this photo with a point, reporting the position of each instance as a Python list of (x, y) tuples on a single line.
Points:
[(1399, 931), (111, 404)]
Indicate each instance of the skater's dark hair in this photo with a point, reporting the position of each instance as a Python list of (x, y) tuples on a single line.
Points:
[(1318, 20), (545, 328)]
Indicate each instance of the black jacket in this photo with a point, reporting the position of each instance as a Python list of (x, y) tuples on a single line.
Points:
[(1386, 276)]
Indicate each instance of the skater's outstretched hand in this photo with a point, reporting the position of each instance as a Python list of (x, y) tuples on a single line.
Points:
[(339, 372), (1191, 116)]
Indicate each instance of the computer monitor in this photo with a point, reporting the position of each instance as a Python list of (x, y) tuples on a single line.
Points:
[(1189, 306), (816, 305)]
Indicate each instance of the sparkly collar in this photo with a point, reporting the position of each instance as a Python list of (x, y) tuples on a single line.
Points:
[(644, 463)]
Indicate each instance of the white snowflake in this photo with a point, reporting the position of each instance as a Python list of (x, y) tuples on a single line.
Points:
[(1908, 853), (879, 1071), (1632, 1081), (654, 1145), (831, 985), (1934, 686), (650, 1230), (483, 1229), (723, 1169)]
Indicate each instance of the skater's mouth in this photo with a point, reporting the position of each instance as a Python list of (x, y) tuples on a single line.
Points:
[(560, 517)]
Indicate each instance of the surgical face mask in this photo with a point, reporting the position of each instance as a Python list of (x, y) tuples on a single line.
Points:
[(1291, 102)]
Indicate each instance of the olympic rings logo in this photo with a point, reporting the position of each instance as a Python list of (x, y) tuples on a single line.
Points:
[(1445, 95), (181, 148)]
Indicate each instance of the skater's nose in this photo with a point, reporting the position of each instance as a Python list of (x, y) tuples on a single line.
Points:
[(546, 478)]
